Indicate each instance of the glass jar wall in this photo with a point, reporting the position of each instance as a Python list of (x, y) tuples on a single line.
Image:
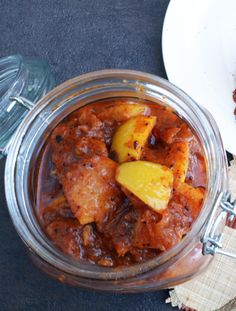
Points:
[(174, 266)]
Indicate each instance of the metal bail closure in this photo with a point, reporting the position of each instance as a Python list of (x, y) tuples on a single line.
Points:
[(224, 209), (23, 82)]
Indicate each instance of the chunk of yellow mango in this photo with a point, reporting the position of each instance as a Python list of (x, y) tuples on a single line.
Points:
[(120, 111), (150, 182), (130, 137)]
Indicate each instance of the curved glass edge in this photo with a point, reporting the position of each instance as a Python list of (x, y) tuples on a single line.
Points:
[(25, 78)]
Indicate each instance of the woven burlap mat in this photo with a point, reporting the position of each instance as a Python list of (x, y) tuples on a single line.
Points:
[(214, 289)]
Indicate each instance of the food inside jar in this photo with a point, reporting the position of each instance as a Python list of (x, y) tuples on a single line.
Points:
[(119, 182)]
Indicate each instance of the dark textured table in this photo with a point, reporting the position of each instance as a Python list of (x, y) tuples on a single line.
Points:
[(75, 37)]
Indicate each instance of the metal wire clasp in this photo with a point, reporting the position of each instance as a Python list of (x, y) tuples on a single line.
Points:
[(212, 238)]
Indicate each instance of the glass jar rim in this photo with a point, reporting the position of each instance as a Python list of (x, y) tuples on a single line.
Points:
[(22, 82), (59, 260), (18, 61)]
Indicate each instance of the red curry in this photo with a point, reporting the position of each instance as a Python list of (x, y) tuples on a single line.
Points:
[(82, 205)]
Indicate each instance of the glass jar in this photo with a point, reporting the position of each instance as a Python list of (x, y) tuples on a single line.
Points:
[(23, 81), (174, 266)]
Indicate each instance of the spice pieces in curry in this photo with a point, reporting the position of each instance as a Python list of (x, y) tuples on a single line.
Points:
[(119, 182)]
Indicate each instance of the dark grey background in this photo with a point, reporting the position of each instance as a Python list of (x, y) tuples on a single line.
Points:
[(75, 37)]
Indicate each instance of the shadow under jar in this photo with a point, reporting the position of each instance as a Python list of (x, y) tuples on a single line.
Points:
[(171, 267)]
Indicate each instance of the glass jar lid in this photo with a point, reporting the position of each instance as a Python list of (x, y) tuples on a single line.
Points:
[(23, 82)]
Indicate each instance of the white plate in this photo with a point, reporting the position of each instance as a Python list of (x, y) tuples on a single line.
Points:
[(199, 50)]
